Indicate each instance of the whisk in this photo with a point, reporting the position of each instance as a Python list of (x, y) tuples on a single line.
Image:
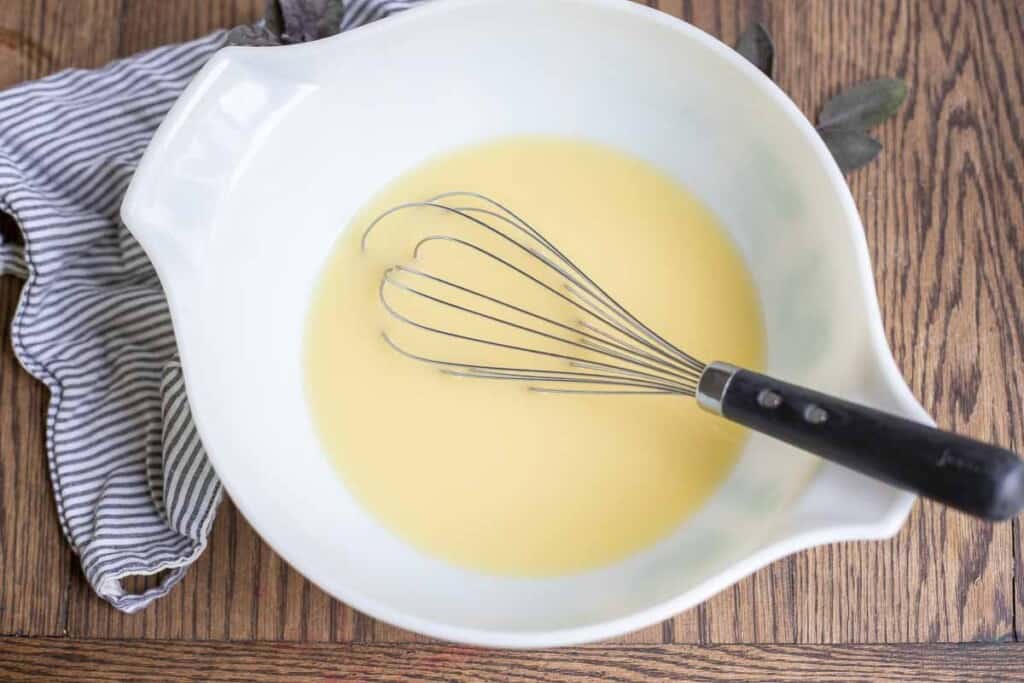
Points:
[(592, 344)]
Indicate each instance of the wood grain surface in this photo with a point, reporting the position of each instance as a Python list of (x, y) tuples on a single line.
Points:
[(70, 660), (944, 215)]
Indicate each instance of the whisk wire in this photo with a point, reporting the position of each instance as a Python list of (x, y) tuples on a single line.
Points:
[(474, 370), (589, 341), (574, 284), (582, 307), (530, 231), (543, 240), (642, 361), (651, 378)]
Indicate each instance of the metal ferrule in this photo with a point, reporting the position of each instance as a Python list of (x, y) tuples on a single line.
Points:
[(714, 382)]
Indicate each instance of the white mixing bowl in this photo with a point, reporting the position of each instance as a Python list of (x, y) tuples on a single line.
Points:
[(270, 151)]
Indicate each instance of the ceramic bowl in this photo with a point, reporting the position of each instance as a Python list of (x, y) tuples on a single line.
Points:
[(270, 151)]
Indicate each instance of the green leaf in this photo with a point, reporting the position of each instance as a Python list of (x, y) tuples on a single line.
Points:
[(291, 21), (252, 35), (850, 148), (864, 105), (330, 22), (273, 19), (755, 44), (306, 20)]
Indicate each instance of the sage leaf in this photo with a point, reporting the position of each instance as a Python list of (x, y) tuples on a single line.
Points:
[(306, 20), (755, 44), (864, 105), (850, 148), (291, 21), (273, 18), (255, 35)]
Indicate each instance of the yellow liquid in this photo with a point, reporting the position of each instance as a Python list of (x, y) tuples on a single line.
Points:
[(484, 473)]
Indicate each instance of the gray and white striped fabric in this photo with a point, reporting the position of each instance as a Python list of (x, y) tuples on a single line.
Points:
[(134, 491)]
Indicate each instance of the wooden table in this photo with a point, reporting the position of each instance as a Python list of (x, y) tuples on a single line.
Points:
[(944, 212)]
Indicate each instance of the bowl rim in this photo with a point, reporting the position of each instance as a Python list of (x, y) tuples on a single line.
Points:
[(148, 173)]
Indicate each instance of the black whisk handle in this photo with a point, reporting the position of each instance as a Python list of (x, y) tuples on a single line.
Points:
[(978, 478)]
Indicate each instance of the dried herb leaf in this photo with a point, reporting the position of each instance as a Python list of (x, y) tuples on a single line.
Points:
[(846, 116), (273, 17), (291, 21), (864, 105), (306, 20), (755, 44), (252, 34), (850, 148)]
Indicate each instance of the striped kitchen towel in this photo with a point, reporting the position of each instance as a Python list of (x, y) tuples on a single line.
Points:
[(134, 491)]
